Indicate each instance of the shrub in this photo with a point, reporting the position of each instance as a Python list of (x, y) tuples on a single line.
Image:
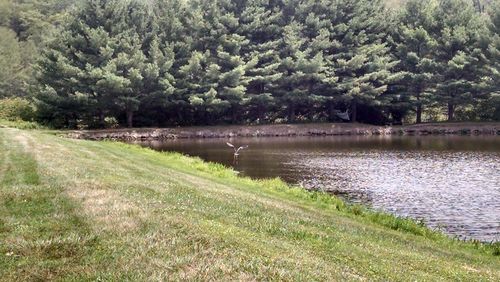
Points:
[(14, 109), (20, 124)]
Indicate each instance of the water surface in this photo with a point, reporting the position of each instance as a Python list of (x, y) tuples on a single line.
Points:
[(452, 183)]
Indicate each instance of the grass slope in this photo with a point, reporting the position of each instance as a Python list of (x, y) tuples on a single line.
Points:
[(79, 210)]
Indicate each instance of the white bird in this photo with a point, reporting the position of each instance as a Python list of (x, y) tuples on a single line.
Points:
[(237, 151)]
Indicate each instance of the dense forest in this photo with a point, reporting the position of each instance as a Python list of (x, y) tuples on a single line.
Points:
[(106, 63)]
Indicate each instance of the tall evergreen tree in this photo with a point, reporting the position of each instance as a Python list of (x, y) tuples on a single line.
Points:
[(415, 48), (195, 62), (491, 106), (320, 45), (218, 47), (304, 71), (199, 81), (262, 24), (363, 62), (100, 58), (459, 56), (178, 25)]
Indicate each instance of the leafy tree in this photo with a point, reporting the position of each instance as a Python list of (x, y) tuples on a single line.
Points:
[(36, 19), (14, 64)]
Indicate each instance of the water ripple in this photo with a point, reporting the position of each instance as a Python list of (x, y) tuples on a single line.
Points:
[(457, 192)]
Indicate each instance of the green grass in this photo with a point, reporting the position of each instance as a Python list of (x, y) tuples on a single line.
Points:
[(80, 210), (20, 124)]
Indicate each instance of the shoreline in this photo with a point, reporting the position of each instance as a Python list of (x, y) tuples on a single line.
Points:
[(287, 130), (96, 198)]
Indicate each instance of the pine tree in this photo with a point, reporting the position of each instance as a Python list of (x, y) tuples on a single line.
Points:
[(262, 24), (178, 26), (221, 46), (231, 86), (491, 106), (317, 30), (459, 56), (415, 48), (159, 83), (100, 59), (198, 81), (304, 71), (363, 62)]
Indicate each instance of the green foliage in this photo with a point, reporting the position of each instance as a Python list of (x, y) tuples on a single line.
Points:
[(100, 64), (459, 55), (13, 109), (177, 62), (25, 27), (15, 60), (414, 47), (20, 124), (442, 47)]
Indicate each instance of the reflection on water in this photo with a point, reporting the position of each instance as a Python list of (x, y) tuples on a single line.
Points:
[(452, 183)]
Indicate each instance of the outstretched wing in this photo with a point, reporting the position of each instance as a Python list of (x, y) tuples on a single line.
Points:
[(230, 145), (241, 148)]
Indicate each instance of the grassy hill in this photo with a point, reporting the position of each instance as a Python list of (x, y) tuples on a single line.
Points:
[(80, 210)]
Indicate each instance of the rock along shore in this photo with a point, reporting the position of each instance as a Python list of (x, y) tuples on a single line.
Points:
[(283, 130)]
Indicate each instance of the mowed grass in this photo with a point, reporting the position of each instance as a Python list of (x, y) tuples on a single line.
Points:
[(80, 210)]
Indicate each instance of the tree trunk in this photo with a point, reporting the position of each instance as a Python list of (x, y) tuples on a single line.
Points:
[(102, 121), (236, 116), (331, 111), (419, 113), (291, 113), (260, 113), (451, 111), (419, 109), (130, 118), (354, 111)]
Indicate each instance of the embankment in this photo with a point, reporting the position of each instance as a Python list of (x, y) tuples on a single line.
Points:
[(75, 210), (282, 130)]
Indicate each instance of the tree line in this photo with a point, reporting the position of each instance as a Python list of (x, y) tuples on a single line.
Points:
[(196, 62)]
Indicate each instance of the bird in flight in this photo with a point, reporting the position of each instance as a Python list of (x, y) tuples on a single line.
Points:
[(236, 150)]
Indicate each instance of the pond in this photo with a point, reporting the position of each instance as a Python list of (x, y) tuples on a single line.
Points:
[(452, 183)]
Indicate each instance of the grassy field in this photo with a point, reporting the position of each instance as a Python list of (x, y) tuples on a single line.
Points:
[(80, 210)]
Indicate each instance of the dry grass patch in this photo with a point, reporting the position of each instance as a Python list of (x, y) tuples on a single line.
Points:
[(110, 211)]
